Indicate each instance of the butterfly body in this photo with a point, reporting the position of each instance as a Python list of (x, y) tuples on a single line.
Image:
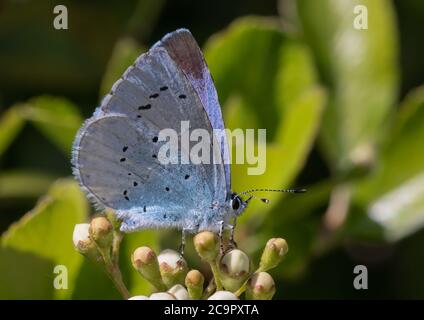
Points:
[(116, 152)]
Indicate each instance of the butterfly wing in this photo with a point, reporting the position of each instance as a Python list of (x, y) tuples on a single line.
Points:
[(152, 95), (113, 162), (183, 49)]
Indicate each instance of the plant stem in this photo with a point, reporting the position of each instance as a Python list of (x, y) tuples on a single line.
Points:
[(242, 289), (209, 289), (215, 272), (114, 273)]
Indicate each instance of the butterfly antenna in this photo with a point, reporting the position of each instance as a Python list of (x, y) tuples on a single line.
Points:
[(264, 200), (273, 190)]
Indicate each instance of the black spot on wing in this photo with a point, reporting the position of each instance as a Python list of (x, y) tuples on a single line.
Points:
[(163, 88), (182, 96), (154, 96), (145, 107)]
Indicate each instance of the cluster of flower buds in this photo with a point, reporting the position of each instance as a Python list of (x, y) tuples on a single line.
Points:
[(233, 272), (168, 273), (97, 240), (94, 238)]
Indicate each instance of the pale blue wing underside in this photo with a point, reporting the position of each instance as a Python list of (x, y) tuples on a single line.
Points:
[(114, 153), (115, 166)]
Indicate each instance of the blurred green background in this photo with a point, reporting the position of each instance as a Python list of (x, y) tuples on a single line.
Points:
[(343, 108)]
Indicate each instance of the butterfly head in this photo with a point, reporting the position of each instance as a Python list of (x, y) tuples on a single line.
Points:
[(237, 204)]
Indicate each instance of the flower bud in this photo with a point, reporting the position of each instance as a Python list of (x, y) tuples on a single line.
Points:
[(84, 244), (223, 295), (275, 250), (207, 245), (144, 260), (179, 292), (162, 296), (194, 283), (234, 269), (81, 237), (101, 231), (260, 286), (139, 298), (173, 267)]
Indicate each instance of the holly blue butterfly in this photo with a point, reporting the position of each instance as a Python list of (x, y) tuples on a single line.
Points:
[(115, 153)]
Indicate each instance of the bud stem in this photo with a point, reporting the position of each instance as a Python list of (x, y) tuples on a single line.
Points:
[(209, 289), (111, 262), (215, 272)]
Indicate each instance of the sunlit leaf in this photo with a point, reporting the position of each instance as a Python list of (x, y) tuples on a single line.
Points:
[(57, 118), (23, 184), (11, 123), (277, 92), (45, 236), (360, 69), (392, 194)]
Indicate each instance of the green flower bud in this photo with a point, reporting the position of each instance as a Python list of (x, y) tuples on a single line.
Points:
[(179, 292), (144, 260), (101, 231), (260, 286), (234, 269), (162, 296), (139, 298), (194, 283), (83, 242), (173, 267), (275, 250), (207, 245), (223, 295)]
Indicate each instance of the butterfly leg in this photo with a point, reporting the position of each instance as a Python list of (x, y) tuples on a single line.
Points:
[(220, 234), (182, 244), (233, 244)]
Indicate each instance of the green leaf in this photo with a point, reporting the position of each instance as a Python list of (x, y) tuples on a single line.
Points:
[(11, 123), (23, 184), (229, 52), (124, 54), (392, 195), (277, 91), (57, 118), (44, 236), (25, 275), (360, 69)]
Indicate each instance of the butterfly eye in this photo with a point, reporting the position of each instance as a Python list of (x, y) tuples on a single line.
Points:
[(236, 203)]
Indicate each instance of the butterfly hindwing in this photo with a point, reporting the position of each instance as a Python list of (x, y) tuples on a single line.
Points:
[(117, 169)]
